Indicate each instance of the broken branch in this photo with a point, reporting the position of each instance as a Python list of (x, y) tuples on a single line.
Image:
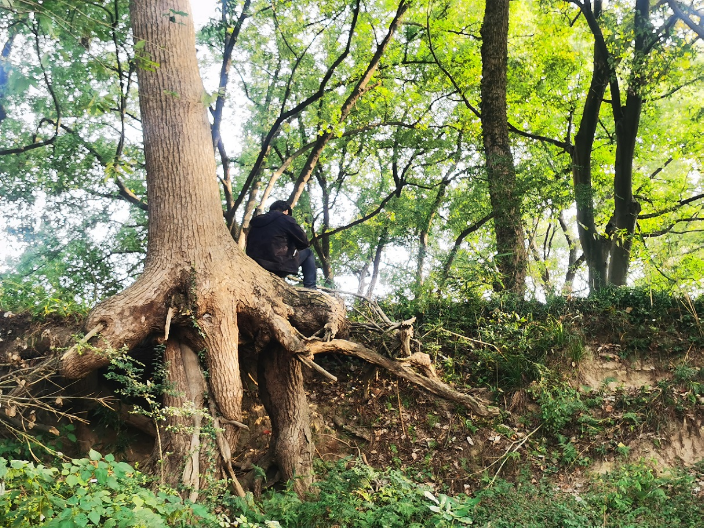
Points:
[(480, 407)]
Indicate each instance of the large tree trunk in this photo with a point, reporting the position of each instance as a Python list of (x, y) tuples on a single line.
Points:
[(511, 256), (198, 291)]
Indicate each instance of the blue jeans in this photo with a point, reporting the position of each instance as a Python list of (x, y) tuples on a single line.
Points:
[(306, 261)]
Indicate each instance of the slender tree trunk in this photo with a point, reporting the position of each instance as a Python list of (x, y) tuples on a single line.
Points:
[(383, 239), (458, 243), (593, 243), (626, 208), (247, 216), (572, 261), (511, 255), (322, 242), (425, 232)]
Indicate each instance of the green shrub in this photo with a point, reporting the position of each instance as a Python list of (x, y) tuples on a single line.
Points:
[(92, 491), (358, 497)]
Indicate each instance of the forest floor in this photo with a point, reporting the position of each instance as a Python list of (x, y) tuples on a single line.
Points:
[(632, 390)]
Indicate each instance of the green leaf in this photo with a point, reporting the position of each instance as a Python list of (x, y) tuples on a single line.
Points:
[(94, 516), (81, 520), (94, 455)]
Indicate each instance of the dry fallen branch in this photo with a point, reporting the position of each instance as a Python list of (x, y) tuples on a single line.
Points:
[(480, 407)]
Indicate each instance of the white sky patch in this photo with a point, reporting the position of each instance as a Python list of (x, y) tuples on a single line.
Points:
[(203, 10)]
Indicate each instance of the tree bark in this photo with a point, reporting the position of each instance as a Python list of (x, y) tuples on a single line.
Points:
[(198, 291), (626, 120), (511, 258), (282, 393), (181, 458), (593, 243)]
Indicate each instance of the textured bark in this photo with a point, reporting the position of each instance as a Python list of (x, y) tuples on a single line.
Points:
[(199, 291), (281, 390), (181, 457), (593, 243), (511, 258)]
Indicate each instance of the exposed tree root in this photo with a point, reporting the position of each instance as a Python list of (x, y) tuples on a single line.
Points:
[(480, 407)]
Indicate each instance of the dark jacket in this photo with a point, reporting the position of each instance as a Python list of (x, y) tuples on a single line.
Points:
[(272, 241)]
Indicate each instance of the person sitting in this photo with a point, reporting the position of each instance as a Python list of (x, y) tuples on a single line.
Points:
[(278, 244)]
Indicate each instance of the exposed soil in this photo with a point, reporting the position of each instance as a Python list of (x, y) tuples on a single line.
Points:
[(22, 337), (389, 423)]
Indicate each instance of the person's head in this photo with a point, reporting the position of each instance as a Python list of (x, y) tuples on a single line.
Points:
[(281, 205)]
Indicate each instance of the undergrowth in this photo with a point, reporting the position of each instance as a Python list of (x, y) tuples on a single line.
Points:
[(522, 351), (507, 342), (99, 491)]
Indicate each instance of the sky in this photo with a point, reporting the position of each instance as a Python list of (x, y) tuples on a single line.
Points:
[(203, 10)]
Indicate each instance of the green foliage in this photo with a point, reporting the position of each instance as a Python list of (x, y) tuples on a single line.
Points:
[(559, 404), (503, 343), (19, 295), (98, 491), (637, 496), (358, 496), (92, 491)]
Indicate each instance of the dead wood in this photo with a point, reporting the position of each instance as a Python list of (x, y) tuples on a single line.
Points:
[(354, 430), (400, 369)]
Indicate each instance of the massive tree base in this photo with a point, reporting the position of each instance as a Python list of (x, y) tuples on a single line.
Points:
[(221, 316), (212, 312)]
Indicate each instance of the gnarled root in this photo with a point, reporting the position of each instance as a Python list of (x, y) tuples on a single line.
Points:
[(124, 321), (281, 390), (434, 386)]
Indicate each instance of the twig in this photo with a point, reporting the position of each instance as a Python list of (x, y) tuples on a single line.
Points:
[(313, 365), (515, 448), (97, 328)]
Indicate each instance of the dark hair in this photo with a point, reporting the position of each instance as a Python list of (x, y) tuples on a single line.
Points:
[(281, 205)]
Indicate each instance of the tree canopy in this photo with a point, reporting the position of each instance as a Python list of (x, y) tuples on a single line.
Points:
[(372, 117)]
